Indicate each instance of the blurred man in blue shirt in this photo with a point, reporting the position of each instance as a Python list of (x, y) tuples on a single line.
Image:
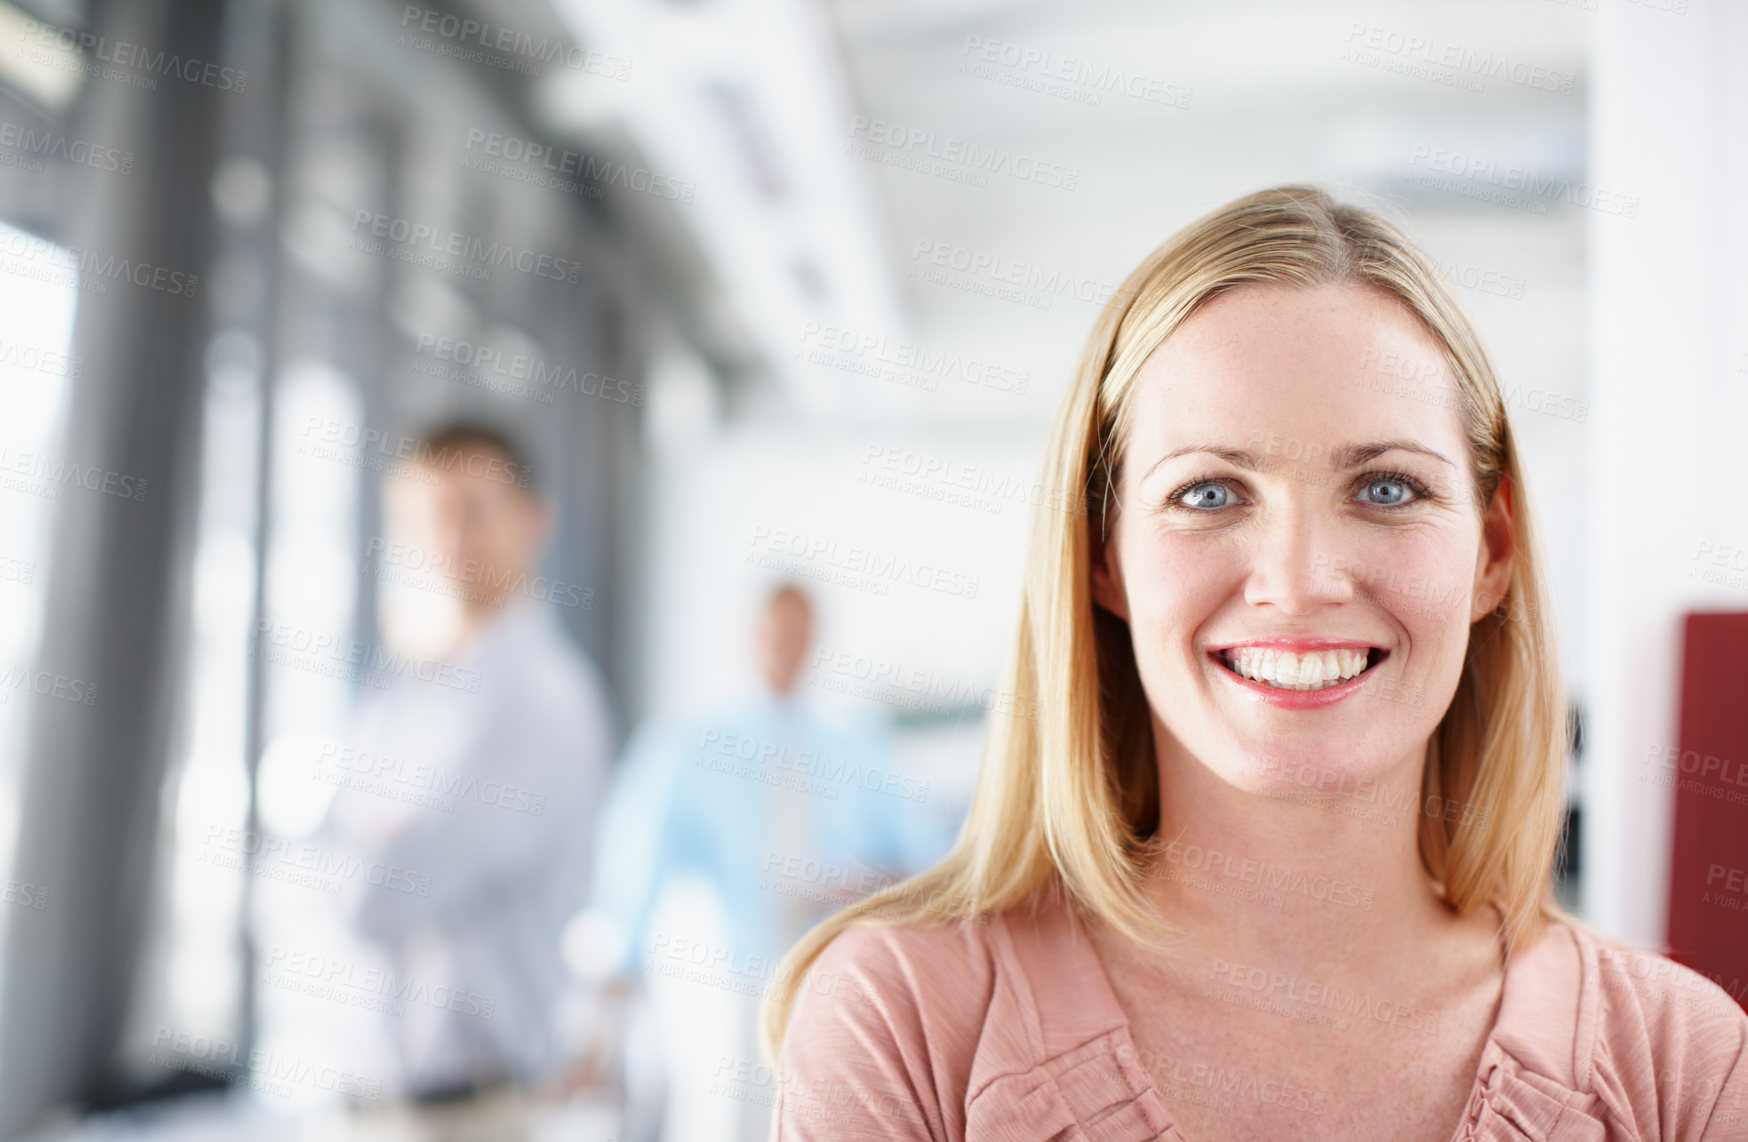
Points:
[(786, 815)]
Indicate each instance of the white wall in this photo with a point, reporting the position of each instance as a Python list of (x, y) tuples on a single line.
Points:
[(1669, 417)]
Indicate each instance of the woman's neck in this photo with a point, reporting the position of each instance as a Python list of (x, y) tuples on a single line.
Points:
[(1329, 873)]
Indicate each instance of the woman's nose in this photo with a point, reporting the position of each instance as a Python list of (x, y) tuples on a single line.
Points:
[(1297, 564)]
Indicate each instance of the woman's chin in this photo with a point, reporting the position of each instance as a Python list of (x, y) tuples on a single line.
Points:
[(1311, 768)]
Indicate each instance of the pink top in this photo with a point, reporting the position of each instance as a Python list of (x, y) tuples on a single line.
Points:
[(1009, 1029)]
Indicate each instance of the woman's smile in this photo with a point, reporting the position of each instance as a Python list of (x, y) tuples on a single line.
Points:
[(1299, 674)]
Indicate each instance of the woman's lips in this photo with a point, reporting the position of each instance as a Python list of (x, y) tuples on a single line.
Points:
[(1300, 642)]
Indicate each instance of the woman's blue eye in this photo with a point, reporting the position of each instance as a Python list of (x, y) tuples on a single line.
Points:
[(1199, 496), (1396, 492)]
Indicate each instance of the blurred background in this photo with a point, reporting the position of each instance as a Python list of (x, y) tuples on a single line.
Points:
[(567, 462)]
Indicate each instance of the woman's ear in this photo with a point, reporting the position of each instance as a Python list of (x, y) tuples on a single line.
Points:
[(1493, 561), (1107, 569)]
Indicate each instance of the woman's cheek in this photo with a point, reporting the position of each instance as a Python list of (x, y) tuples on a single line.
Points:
[(1432, 610), (1178, 595), (1412, 575)]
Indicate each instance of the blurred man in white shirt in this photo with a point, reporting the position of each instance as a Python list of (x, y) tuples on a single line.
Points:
[(491, 758)]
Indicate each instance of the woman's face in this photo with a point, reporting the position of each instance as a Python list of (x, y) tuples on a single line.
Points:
[(1296, 506)]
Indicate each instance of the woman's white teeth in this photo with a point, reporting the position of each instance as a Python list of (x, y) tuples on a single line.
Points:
[(1312, 670)]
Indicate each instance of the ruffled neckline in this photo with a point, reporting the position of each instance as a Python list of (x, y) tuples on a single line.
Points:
[(1509, 1100)]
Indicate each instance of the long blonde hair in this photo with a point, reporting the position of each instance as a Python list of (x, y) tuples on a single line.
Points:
[(1068, 790)]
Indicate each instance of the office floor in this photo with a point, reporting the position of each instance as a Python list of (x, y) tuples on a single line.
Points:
[(243, 1115)]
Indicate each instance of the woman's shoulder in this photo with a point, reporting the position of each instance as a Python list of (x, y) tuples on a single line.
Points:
[(952, 976), (911, 965), (926, 1017), (920, 987), (1660, 1044), (885, 1031), (1669, 1000)]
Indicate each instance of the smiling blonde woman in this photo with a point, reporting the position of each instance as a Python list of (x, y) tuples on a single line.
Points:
[(1260, 847)]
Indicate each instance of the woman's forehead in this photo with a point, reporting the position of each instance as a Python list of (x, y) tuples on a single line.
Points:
[(1327, 364)]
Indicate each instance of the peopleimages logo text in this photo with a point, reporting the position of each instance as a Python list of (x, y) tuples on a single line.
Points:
[(136, 57), (510, 41), (594, 172), (961, 153), (454, 244)]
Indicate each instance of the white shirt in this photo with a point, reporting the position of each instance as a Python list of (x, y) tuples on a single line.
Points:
[(481, 851)]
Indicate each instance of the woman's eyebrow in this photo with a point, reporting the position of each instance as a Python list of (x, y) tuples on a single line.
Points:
[(1345, 457), (1354, 455)]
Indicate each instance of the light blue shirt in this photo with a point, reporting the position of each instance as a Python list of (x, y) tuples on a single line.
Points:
[(787, 816)]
